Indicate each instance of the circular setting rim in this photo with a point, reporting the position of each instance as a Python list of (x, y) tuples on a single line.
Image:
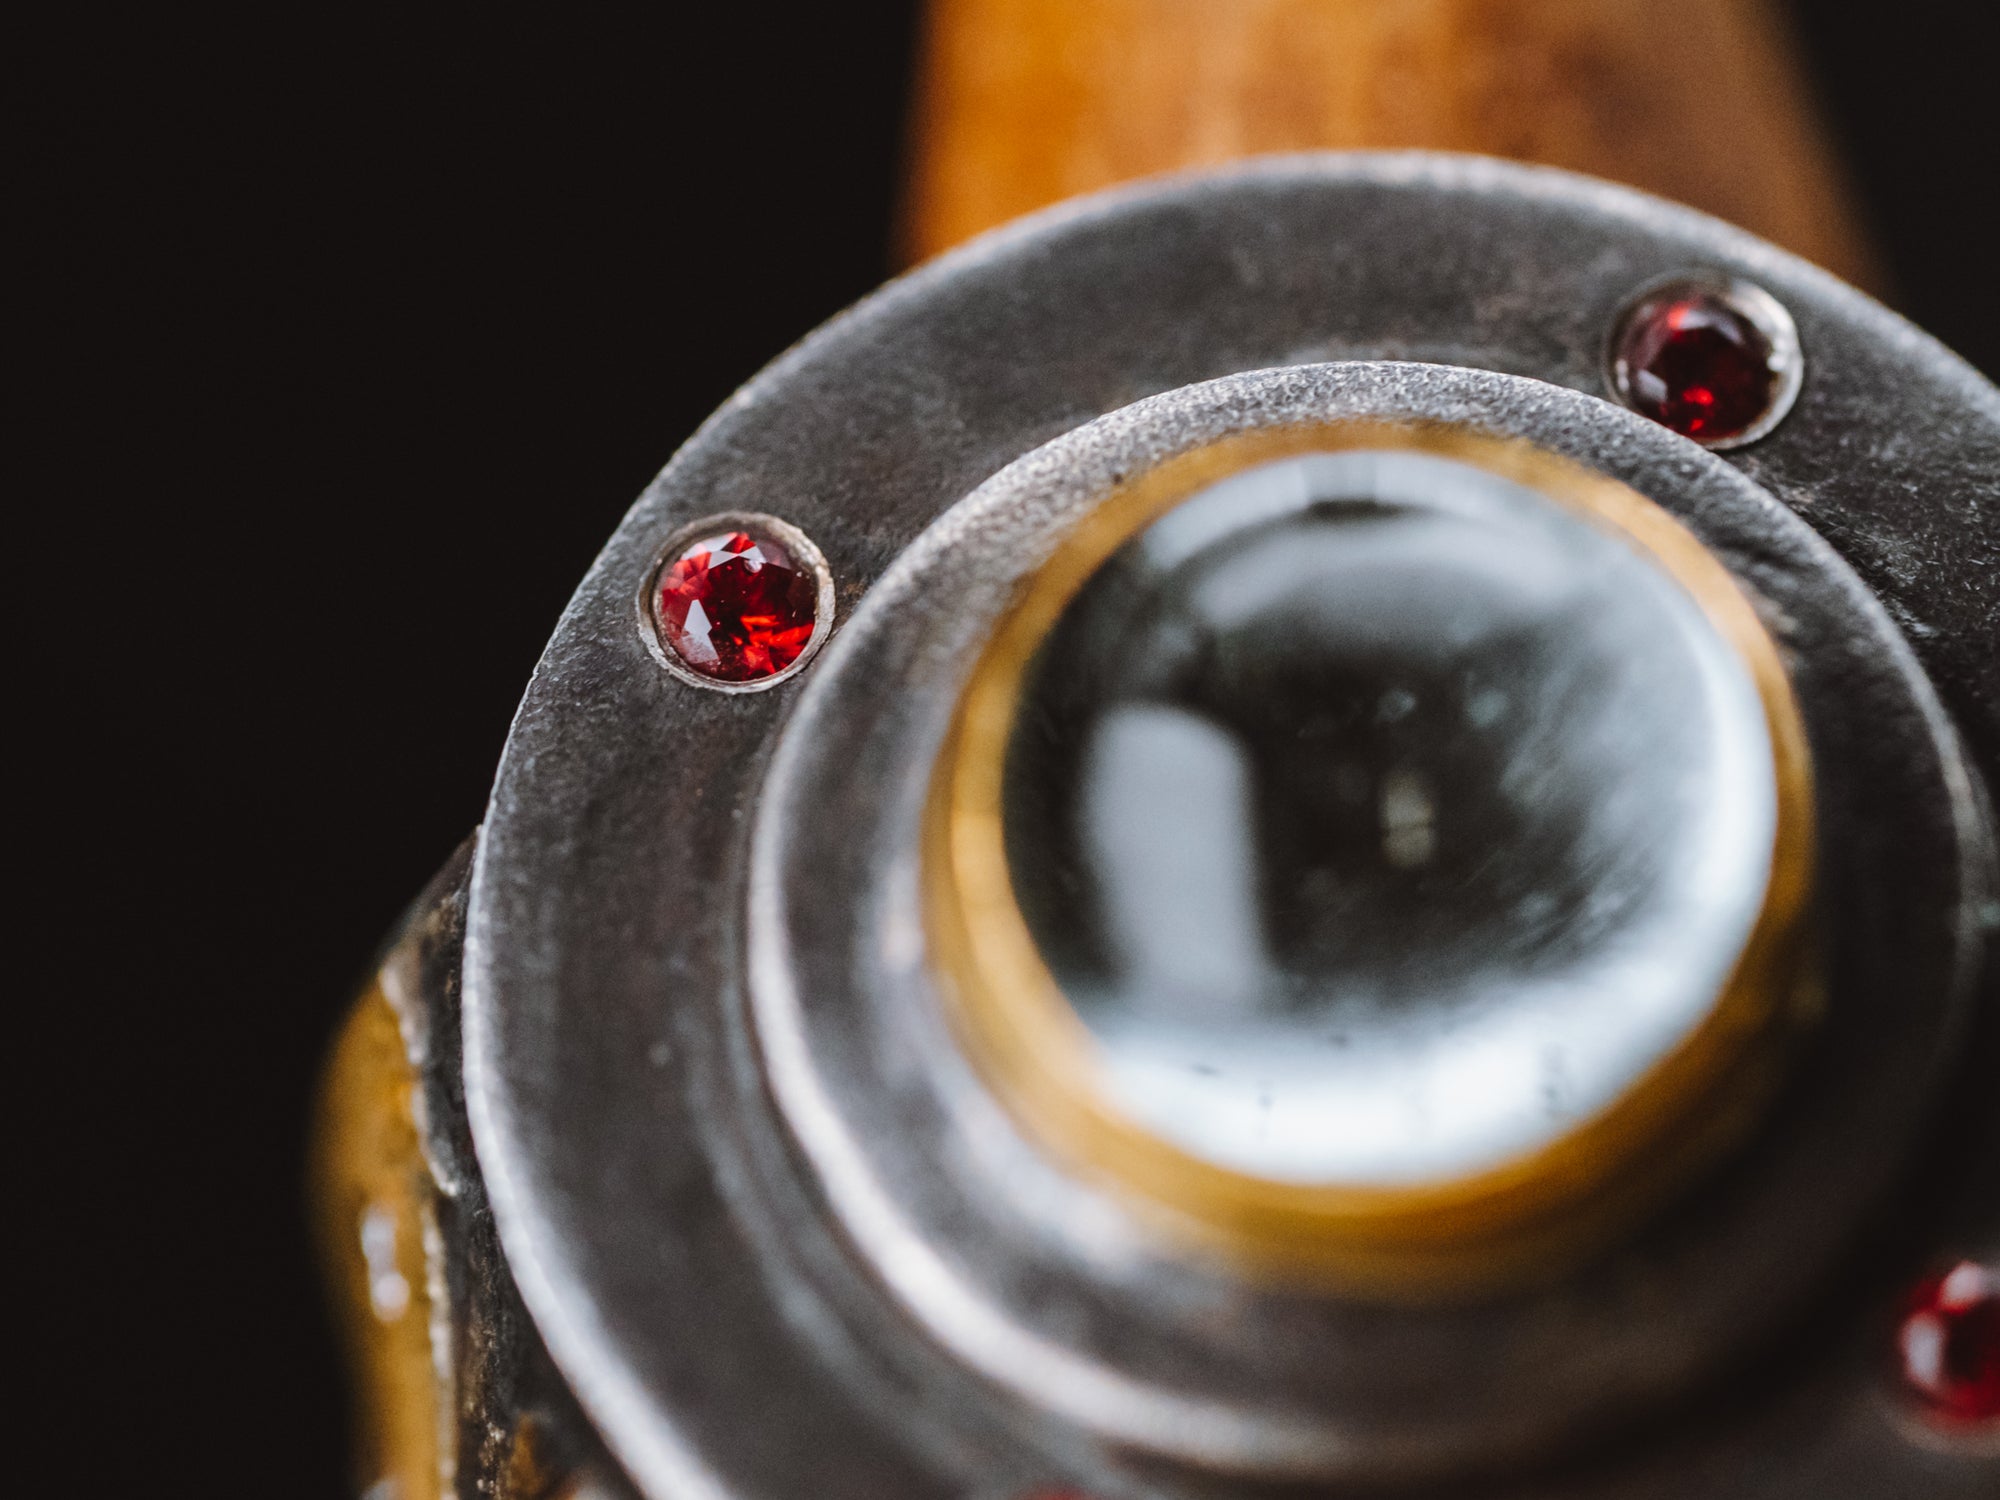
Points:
[(652, 630), (1767, 315), (978, 1234), (1491, 1224)]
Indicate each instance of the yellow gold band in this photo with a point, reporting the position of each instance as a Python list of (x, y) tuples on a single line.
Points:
[(1419, 1240)]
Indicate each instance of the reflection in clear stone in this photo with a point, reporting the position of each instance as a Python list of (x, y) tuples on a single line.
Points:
[(1166, 801), (1380, 818)]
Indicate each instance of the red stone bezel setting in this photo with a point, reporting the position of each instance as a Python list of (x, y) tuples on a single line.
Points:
[(658, 632), (1947, 1351), (1767, 317)]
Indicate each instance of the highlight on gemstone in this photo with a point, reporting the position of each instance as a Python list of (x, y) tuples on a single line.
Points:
[(1948, 1344), (739, 604), (1716, 361)]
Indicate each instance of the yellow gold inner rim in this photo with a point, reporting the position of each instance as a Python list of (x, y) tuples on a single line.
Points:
[(1565, 1196)]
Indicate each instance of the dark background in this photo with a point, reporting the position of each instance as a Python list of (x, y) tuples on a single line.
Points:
[(361, 331)]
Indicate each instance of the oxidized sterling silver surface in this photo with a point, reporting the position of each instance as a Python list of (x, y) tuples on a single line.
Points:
[(779, 1237)]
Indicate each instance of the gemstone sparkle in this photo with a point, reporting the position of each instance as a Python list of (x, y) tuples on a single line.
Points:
[(736, 606)]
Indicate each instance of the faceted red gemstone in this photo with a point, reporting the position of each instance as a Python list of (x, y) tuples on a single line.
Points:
[(1949, 1343), (737, 606), (1693, 361)]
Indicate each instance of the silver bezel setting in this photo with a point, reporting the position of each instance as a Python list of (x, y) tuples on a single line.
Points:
[(1767, 315), (653, 632)]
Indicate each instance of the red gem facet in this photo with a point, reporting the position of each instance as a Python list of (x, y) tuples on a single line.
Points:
[(1691, 360), (737, 606), (1949, 1343)]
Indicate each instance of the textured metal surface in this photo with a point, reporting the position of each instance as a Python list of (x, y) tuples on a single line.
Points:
[(686, 1271)]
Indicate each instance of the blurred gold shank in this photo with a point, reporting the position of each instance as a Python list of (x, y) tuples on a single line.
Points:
[(373, 1197)]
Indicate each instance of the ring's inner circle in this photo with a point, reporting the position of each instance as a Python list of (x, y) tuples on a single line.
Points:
[(1383, 819)]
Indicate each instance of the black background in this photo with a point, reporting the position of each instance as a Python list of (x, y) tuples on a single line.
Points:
[(349, 337)]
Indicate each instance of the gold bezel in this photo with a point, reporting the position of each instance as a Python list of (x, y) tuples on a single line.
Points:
[(1420, 1240)]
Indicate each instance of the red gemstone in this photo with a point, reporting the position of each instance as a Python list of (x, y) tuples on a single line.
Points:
[(1949, 1343), (1692, 360), (737, 606)]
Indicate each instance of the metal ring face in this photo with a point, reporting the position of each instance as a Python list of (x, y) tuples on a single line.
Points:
[(654, 1206), (912, 1153)]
